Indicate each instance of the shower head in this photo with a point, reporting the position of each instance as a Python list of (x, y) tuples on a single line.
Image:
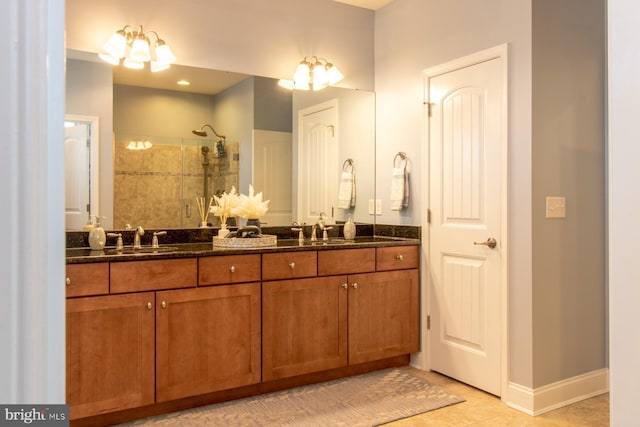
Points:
[(202, 132)]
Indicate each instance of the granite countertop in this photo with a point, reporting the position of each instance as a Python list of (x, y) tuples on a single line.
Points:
[(186, 250)]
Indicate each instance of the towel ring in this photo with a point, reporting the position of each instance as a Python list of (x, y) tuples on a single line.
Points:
[(403, 157), (347, 163)]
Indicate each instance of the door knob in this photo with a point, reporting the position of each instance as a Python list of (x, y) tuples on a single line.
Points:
[(490, 242)]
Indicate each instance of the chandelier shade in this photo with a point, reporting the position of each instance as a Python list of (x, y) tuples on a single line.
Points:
[(136, 49), (313, 74)]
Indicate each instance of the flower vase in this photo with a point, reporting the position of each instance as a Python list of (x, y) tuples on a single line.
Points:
[(256, 223)]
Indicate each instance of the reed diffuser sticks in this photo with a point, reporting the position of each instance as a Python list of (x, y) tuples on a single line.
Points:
[(204, 210)]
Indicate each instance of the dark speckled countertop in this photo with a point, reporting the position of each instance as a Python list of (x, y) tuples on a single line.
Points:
[(186, 250)]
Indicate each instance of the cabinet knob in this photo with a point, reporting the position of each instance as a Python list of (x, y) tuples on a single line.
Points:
[(344, 285), (149, 306), (163, 304), (399, 257), (232, 269), (292, 265), (68, 281), (354, 285)]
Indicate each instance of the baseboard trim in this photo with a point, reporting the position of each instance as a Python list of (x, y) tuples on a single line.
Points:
[(559, 394)]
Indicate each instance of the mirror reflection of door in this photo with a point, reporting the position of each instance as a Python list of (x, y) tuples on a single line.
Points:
[(272, 173), (318, 162), (81, 179)]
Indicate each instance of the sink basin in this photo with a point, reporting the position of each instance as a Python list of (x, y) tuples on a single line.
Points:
[(141, 251)]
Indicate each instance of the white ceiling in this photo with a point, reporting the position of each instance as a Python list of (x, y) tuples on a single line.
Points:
[(367, 4)]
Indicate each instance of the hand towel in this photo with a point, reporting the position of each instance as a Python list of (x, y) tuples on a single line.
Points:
[(347, 190), (399, 189)]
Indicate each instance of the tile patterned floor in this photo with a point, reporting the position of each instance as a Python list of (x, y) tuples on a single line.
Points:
[(485, 410)]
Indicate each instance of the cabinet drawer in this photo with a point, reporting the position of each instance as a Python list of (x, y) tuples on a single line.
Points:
[(134, 276), (397, 258), (87, 279), (346, 261), (217, 270), (289, 265)]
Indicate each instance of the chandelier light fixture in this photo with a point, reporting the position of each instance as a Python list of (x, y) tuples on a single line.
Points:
[(139, 145), (313, 74), (135, 48)]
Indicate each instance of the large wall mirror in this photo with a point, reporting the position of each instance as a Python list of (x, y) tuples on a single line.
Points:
[(294, 147)]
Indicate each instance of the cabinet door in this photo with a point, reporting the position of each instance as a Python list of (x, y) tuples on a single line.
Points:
[(304, 326), (110, 348), (207, 339), (383, 315)]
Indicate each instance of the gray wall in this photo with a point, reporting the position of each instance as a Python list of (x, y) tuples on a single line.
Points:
[(568, 153), (557, 290), (272, 105), (89, 93), (143, 111), (413, 35)]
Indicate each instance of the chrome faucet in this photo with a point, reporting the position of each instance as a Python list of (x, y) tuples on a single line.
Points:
[(119, 245), (154, 241), (300, 229), (136, 238), (319, 224)]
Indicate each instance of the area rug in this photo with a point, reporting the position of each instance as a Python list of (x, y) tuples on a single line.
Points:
[(363, 400)]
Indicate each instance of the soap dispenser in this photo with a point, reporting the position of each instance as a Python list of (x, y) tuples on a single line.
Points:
[(349, 229), (97, 236), (89, 225)]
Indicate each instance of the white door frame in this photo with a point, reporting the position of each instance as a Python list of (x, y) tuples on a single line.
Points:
[(421, 360)]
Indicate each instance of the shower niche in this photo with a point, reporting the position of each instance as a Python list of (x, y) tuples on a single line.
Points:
[(158, 187)]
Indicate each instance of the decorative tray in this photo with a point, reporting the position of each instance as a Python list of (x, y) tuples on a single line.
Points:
[(245, 242)]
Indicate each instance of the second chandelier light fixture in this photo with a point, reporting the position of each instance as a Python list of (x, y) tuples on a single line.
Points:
[(134, 47), (313, 74)]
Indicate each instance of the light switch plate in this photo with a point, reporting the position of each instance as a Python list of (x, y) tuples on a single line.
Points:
[(378, 207), (556, 207)]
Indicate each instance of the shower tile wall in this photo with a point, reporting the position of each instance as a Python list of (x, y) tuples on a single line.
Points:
[(153, 187)]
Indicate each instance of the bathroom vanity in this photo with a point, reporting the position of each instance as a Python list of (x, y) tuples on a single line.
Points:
[(150, 333)]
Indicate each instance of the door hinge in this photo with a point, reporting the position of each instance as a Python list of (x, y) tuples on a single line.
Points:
[(428, 216), (428, 104), (428, 322)]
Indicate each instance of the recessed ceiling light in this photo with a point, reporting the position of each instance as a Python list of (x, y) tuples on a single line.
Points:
[(184, 82)]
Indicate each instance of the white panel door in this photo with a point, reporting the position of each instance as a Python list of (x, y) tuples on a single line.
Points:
[(76, 171), (318, 164), (465, 199), (272, 174)]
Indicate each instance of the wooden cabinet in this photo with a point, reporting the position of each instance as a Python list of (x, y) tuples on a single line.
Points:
[(225, 269), (383, 315), (155, 331), (110, 353), (126, 351), (87, 279), (321, 323), (136, 276), (397, 258), (207, 339), (346, 261), (304, 326), (289, 265)]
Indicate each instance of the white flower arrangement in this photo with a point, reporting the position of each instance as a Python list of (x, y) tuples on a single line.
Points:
[(251, 206), (233, 204), (225, 204)]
